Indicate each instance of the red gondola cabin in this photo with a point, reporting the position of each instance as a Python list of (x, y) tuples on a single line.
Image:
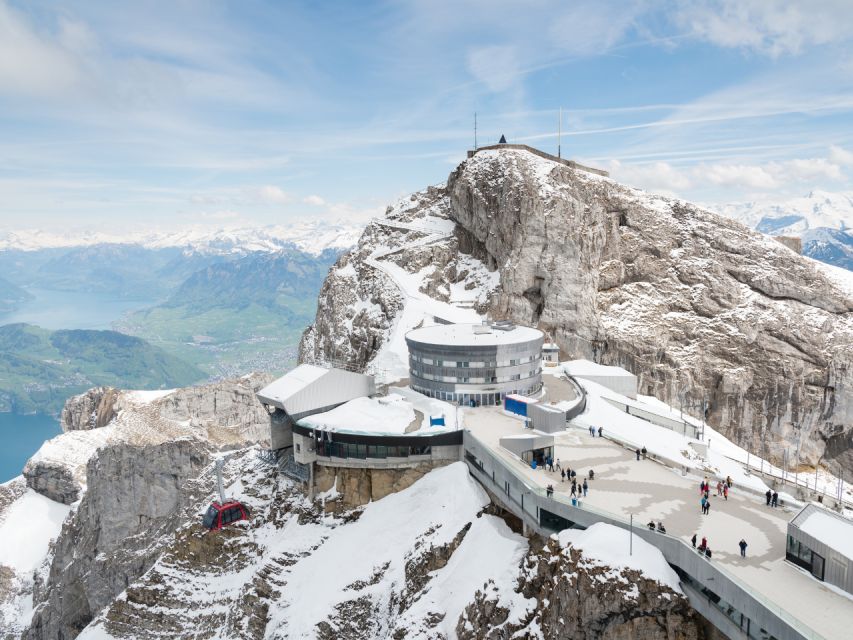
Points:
[(219, 515)]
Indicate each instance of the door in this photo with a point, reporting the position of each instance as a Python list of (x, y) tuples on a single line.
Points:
[(817, 566)]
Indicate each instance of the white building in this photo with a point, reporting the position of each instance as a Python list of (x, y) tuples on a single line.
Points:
[(614, 378)]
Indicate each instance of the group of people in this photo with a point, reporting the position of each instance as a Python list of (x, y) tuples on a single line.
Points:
[(659, 527), (592, 431), (703, 548), (567, 474), (705, 492), (772, 498), (643, 451)]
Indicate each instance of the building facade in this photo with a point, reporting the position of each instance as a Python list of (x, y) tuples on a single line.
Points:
[(821, 542), (479, 363)]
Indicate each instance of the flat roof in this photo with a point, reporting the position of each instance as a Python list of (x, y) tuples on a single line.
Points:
[(473, 335), (292, 382), (832, 530), (589, 368)]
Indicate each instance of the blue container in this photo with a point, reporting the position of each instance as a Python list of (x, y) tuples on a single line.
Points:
[(515, 406)]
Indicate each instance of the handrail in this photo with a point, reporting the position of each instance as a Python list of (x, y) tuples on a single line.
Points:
[(793, 622), (579, 407)]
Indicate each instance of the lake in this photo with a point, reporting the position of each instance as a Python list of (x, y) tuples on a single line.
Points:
[(73, 310), (22, 436)]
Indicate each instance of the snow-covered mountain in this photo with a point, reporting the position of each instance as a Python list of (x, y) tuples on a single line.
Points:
[(697, 305), (823, 220), (310, 236)]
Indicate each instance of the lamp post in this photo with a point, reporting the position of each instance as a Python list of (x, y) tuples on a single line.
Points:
[(631, 537)]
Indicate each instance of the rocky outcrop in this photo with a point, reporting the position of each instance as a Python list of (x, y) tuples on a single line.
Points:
[(91, 410), (133, 497), (698, 306), (52, 479), (581, 600), (356, 487)]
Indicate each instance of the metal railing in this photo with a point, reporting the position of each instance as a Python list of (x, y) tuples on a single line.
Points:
[(671, 546)]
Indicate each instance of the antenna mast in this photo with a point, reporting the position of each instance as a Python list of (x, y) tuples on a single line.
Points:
[(560, 133), (475, 131)]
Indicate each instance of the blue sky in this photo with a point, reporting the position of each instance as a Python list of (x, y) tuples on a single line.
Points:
[(161, 115)]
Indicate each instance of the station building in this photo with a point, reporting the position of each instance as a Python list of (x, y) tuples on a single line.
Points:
[(475, 363)]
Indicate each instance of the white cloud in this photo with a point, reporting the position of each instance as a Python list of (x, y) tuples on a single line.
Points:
[(738, 175), (38, 63), (772, 27), (495, 66), (656, 176), (273, 194), (841, 156), (314, 200)]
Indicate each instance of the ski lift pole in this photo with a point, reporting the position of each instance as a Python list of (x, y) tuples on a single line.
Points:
[(220, 463)]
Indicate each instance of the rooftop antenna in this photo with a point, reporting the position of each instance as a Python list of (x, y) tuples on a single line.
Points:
[(475, 131), (560, 133)]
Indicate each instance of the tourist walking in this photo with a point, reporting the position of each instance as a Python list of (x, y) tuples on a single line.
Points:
[(726, 491), (775, 501), (591, 474), (574, 475), (769, 496), (729, 481), (574, 490), (719, 488), (585, 487), (693, 540), (638, 454), (644, 452), (600, 431), (563, 475), (742, 544), (702, 502)]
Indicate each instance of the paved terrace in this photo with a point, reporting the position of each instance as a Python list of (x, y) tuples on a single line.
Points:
[(650, 491)]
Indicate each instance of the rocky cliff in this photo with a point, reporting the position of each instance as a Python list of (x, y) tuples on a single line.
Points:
[(698, 306)]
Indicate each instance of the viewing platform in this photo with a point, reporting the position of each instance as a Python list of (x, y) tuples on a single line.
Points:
[(523, 147)]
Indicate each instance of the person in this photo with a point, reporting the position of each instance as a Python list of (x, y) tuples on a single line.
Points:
[(729, 481), (600, 430), (702, 488), (704, 544), (742, 544), (707, 553), (591, 474), (558, 465), (574, 474), (726, 491), (638, 454), (585, 487), (719, 488), (550, 463), (574, 490), (775, 501), (707, 507), (592, 431), (661, 528), (702, 502), (644, 452), (563, 475), (549, 491), (769, 496), (693, 540), (651, 525)]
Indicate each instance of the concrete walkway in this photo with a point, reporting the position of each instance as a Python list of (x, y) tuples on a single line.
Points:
[(650, 491)]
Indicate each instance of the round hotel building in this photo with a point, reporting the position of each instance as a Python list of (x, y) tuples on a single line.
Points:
[(475, 362)]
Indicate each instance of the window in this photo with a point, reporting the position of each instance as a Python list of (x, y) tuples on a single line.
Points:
[(298, 447), (462, 379), (462, 365), (515, 376)]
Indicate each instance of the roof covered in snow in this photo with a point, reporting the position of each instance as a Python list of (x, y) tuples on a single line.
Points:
[(309, 388), (589, 368), (830, 529), (473, 335)]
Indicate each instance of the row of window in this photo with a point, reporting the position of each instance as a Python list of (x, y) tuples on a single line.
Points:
[(465, 364), (799, 553), (477, 398), (467, 380), (362, 451)]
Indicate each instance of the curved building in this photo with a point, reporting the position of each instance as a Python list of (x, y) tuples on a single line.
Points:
[(475, 362)]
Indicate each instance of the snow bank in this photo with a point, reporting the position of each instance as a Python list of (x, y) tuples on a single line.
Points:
[(30, 523), (608, 545), (390, 533), (147, 397)]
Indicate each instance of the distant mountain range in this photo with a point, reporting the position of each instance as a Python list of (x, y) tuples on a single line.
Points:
[(313, 237), (822, 220)]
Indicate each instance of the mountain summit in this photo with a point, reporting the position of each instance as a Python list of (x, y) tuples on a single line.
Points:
[(700, 307)]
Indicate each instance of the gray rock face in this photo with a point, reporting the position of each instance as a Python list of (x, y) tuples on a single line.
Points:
[(91, 410), (52, 479), (134, 495), (695, 304)]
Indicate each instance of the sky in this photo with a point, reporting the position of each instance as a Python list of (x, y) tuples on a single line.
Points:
[(159, 115)]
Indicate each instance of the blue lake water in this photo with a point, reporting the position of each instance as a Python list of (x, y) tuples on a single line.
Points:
[(73, 310), (21, 437)]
